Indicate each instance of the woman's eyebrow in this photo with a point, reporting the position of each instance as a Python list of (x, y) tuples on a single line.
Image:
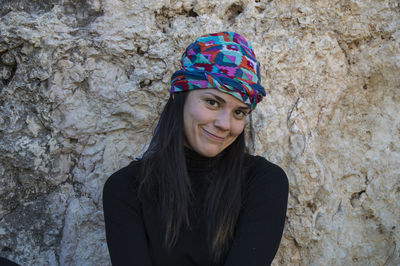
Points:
[(223, 101), (216, 97), (245, 108)]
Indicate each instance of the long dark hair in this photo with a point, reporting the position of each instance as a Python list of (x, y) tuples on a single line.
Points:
[(165, 180)]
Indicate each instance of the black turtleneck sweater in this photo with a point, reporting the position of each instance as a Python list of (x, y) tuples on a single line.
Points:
[(134, 231)]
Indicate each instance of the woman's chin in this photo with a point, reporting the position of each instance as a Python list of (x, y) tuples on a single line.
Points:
[(209, 151)]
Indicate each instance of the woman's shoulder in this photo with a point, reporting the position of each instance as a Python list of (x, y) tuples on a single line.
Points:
[(125, 179), (260, 171)]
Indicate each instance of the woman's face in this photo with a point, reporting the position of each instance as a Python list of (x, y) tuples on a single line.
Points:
[(212, 120)]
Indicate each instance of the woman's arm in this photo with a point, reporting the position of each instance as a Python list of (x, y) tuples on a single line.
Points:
[(126, 237), (261, 223)]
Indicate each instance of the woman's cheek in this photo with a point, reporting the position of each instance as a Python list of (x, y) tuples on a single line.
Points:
[(238, 129)]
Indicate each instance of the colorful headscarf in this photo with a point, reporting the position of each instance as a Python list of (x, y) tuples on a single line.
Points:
[(224, 61)]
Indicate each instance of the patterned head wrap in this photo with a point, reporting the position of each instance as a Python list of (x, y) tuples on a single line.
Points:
[(224, 61)]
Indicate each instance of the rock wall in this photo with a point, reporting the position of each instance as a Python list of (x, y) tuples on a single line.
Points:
[(83, 82)]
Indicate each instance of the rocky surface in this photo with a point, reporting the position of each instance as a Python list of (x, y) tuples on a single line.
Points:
[(82, 84)]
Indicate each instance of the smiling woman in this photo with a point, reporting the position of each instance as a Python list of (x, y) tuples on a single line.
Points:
[(212, 121), (196, 197)]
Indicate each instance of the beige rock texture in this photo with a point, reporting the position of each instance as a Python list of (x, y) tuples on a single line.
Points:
[(83, 82)]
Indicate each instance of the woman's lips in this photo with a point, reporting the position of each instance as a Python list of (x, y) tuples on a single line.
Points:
[(212, 136)]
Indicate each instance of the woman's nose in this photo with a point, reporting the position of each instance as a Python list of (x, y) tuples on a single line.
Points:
[(223, 120)]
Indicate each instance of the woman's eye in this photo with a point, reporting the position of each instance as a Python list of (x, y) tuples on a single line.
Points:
[(240, 114), (212, 102)]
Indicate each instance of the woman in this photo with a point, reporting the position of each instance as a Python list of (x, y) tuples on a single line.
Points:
[(196, 197)]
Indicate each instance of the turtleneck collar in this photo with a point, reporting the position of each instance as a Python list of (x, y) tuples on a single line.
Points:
[(197, 163)]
